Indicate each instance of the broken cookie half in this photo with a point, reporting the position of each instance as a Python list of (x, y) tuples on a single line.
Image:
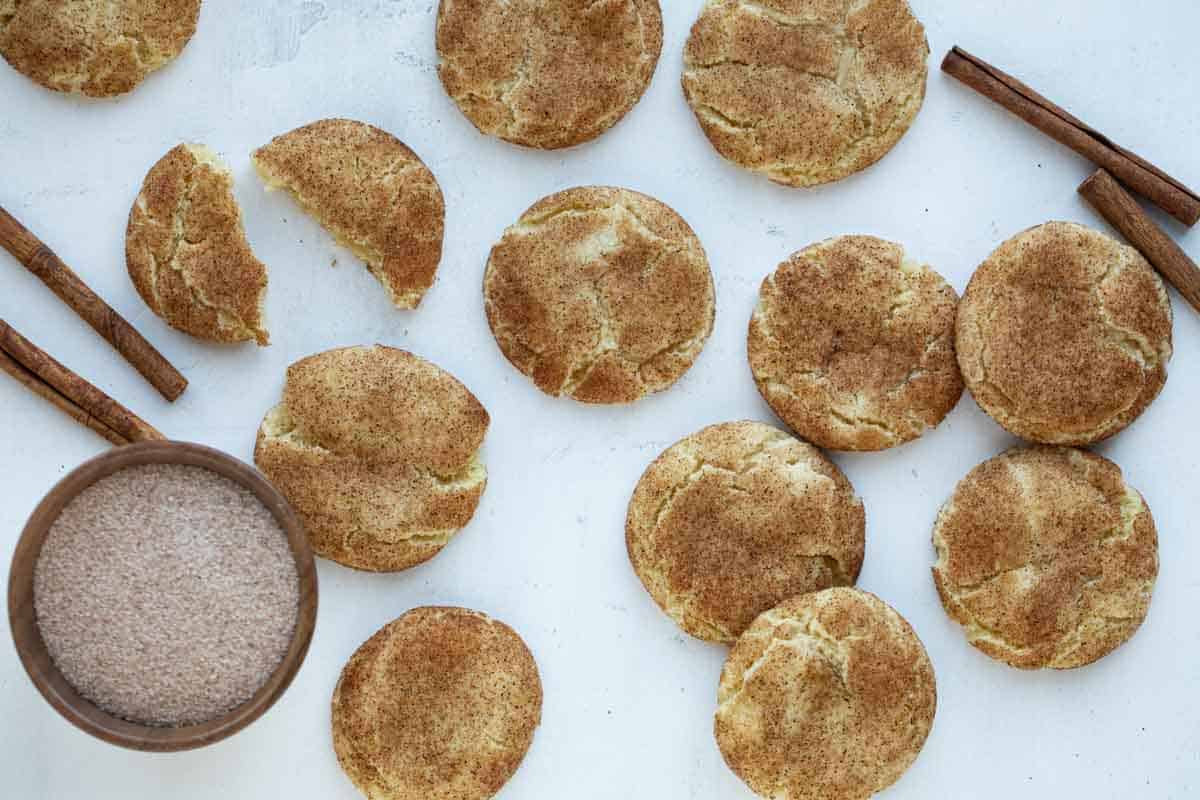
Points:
[(371, 192), (187, 253)]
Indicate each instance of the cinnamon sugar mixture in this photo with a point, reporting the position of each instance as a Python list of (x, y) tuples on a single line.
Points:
[(166, 594)]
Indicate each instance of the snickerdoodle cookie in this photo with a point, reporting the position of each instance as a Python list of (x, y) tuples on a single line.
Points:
[(440, 704), (1046, 557), (187, 252), (828, 696), (547, 73), (805, 91), (737, 517), (852, 344), (599, 293), (377, 450), (371, 192), (99, 48), (1064, 334)]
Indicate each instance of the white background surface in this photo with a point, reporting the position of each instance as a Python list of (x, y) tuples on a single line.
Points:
[(628, 697)]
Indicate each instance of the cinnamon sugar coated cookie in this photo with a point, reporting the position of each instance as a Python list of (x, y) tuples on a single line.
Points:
[(1064, 335), (805, 91), (736, 518), (547, 73), (99, 48), (601, 294), (440, 704), (852, 344), (828, 696), (1046, 557), (187, 253), (371, 192), (378, 452)]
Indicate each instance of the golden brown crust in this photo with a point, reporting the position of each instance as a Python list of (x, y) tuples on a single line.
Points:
[(440, 704), (737, 517), (805, 91), (1046, 557), (371, 192), (187, 253), (1064, 335), (547, 73), (852, 345), (829, 696), (377, 450), (599, 293), (99, 48)]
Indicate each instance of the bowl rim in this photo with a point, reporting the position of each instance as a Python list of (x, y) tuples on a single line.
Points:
[(31, 648)]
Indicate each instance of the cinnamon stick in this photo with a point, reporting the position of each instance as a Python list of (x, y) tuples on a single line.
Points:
[(83, 394), (1135, 172), (48, 393), (62, 280), (1123, 213)]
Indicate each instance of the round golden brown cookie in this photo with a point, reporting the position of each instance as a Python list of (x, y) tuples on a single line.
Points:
[(378, 452), (828, 696), (601, 294), (1064, 335), (440, 704), (737, 517), (99, 48), (852, 344), (547, 73), (371, 192), (1046, 557), (187, 253), (805, 91)]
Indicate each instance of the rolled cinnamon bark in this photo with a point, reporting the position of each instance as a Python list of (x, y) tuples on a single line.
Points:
[(35, 384), (62, 280), (1135, 172), (1123, 213), (83, 394)]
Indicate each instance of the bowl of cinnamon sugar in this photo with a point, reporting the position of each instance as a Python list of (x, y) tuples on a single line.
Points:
[(162, 596)]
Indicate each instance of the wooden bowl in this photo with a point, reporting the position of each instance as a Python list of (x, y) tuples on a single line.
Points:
[(32, 650)]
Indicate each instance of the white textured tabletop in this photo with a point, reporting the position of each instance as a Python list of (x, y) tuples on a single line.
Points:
[(628, 697)]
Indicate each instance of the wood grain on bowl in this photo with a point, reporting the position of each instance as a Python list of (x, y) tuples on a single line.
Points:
[(33, 652)]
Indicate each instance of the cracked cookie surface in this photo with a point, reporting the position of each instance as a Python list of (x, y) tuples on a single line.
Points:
[(440, 704), (377, 450), (737, 517), (99, 48), (547, 73), (805, 91), (601, 294), (187, 253), (852, 344), (1064, 334), (371, 192), (1046, 557), (828, 696)]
